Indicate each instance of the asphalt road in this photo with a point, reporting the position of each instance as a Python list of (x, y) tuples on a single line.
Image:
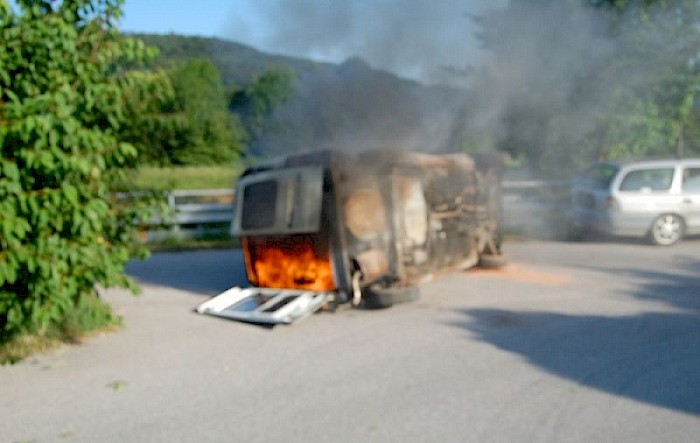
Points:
[(570, 343)]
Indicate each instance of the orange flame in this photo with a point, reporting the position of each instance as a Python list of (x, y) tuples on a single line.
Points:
[(292, 265)]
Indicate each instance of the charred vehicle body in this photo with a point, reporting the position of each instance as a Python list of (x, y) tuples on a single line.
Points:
[(330, 227)]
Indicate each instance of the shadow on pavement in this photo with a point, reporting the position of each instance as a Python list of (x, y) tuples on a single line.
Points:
[(207, 272), (651, 357), (679, 287)]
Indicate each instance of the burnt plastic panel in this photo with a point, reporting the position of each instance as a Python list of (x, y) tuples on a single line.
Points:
[(282, 201), (264, 306)]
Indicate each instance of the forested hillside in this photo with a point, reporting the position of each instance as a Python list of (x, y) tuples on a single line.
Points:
[(237, 63), (567, 83), (280, 105)]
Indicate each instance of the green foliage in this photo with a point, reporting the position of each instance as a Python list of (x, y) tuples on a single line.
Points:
[(211, 135), (90, 314), (654, 117), (184, 177), (255, 103), (182, 119), (63, 105), (288, 105), (151, 122), (617, 79)]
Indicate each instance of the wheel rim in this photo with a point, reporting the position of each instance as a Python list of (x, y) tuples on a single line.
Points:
[(668, 229)]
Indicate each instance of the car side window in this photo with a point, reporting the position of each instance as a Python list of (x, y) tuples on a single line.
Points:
[(654, 179), (691, 179)]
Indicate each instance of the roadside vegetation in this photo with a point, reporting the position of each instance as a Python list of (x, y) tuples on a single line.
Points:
[(574, 82), (63, 107), (184, 177)]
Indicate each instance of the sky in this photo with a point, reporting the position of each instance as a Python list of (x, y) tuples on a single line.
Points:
[(415, 38), (206, 18)]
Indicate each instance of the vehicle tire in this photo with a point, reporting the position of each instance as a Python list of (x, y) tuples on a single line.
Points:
[(666, 230), (492, 261), (378, 297)]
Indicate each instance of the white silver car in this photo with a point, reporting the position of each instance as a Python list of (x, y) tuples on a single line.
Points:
[(658, 198)]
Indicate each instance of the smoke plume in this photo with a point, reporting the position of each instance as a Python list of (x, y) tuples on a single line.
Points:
[(546, 83), (546, 76), (413, 38)]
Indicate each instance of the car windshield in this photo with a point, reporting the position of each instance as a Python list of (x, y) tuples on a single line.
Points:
[(600, 176)]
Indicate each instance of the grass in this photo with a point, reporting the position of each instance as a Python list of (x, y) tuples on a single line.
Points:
[(185, 177), (25, 345), (210, 241), (91, 315)]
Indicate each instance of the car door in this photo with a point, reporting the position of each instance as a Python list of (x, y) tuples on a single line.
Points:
[(643, 194), (690, 189)]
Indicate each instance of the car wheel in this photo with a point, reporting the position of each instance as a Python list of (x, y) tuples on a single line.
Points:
[(378, 297), (666, 230)]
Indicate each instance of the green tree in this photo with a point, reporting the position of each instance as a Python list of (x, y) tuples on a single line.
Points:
[(541, 94), (152, 123), (657, 116), (572, 82), (255, 103), (211, 135), (190, 124), (63, 105)]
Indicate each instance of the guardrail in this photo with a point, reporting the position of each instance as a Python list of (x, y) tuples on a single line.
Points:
[(195, 214), (528, 207)]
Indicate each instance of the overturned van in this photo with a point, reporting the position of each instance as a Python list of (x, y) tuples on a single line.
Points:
[(330, 227)]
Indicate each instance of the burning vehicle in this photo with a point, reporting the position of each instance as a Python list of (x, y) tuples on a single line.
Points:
[(329, 227)]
